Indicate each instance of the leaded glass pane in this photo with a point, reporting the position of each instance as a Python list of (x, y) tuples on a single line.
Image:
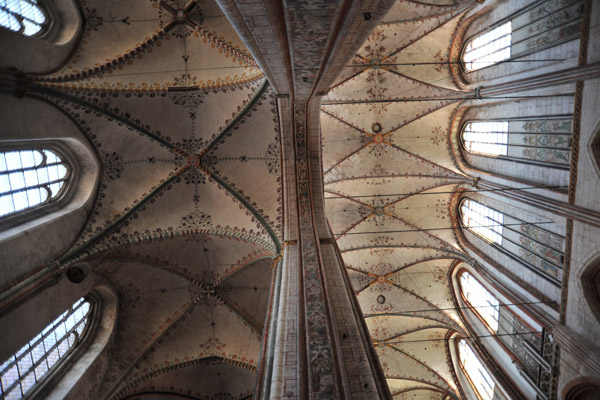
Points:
[(23, 370), (482, 220), (24, 16), (485, 304), (478, 375), (29, 178), (488, 48), (486, 137)]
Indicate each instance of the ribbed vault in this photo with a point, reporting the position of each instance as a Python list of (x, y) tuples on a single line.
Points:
[(389, 179), (188, 213)]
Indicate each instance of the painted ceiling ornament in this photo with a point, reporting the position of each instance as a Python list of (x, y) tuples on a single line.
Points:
[(113, 165), (438, 136), (193, 161), (192, 145), (208, 161), (189, 100), (194, 176), (185, 17), (379, 211), (196, 220), (272, 158), (93, 21), (376, 127)]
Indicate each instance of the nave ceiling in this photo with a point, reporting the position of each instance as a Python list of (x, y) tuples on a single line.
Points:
[(390, 182)]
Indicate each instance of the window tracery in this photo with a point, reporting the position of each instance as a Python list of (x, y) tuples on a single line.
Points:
[(43, 354), (541, 141), (533, 246), (24, 16), (30, 178)]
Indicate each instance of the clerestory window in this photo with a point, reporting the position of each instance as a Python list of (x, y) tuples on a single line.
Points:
[(485, 304), (525, 341), (479, 377), (24, 16), (31, 178), (540, 141), (486, 137), (483, 221), (531, 244), (488, 48), (44, 354)]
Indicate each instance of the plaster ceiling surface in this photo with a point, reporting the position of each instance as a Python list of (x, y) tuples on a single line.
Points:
[(153, 45), (188, 211), (389, 178)]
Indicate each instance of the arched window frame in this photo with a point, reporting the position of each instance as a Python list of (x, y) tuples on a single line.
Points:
[(72, 180), (539, 45), (63, 25), (500, 33), (490, 233), (42, 6), (505, 136), (43, 385), (540, 357), (454, 347), (524, 238)]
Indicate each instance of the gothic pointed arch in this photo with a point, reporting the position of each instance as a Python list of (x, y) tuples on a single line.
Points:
[(521, 346), (589, 281), (582, 389), (533, 245), (512, 38), (475, 373), (37, 36), (526, 141), (65, 344), (49, 177)]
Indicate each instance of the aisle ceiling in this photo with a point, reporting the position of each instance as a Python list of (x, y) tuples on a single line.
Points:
[(188, 214)]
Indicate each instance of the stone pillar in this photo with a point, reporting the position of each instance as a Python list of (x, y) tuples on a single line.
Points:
[(317, 344)]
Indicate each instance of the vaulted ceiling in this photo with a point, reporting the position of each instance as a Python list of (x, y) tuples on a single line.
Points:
[(188, 214), (389, 179)]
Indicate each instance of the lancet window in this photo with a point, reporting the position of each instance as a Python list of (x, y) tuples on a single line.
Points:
[(539, 141), (31, 178), (24, 16), (528, 344), (531, 29), (488, 48), (43, 355), (531, 244), (479, 377)]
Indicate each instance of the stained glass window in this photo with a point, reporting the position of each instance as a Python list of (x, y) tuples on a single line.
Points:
[(23, 16), (488, 48), (29, 178), (486, 137), (478, 375), (482, 220), (28, 366), (483, 302)]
